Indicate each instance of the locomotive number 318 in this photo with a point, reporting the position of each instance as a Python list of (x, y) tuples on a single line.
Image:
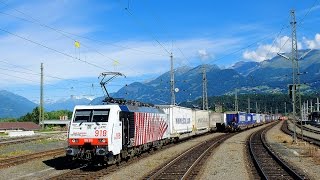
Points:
[(100, 132)]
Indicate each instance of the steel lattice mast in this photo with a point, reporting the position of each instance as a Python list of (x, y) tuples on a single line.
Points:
[(41, 108), (173, 98), (296, 97), (236, 106), (204, 89)]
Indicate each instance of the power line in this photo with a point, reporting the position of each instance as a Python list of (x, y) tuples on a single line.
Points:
[(55, 86), (275, 39), (243, 48), (67, 34), (308, 12), (36, 73), (168, 35), (300, 22), (52, 49), (138, 22), (18, 77)]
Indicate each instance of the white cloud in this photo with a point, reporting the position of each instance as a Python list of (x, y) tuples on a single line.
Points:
[(313, 43), (268, 51), (204, 55), (150, 60)]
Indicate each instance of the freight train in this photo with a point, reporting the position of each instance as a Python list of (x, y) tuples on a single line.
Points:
[(235, 121), (120, 130), (314, 118)]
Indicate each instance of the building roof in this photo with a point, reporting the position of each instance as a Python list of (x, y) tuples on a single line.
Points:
[(27, 126)]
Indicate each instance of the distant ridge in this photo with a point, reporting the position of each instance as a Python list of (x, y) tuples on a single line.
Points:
[(66, 104), (13, 105), (269, 76)]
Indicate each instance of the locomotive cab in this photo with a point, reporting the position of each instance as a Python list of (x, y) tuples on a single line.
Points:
[(94, 132)]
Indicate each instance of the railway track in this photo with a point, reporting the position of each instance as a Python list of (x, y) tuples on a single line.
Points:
[(4, 142), (286, 130), (315, 125), (187, 164), (8, 162), (267, 163), (309, 129), (88, 171), (91, 171), (18, 140)]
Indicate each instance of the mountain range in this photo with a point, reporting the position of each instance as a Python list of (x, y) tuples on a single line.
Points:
[(15, 106), (66, 104), (269, 76)]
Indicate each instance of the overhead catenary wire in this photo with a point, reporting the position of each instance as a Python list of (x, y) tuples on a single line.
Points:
[(308, 12), (168, 35), (275, 39), (138, 22), (31, 72), (53, 85), (159, 43), (69, 35), (300, 21), (52, 49), (18, 77)]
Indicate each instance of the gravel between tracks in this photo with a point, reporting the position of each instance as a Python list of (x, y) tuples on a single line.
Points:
[(35, 169), (52, 142), (305, 133), (302, 155), (141, 168), (229, 160)]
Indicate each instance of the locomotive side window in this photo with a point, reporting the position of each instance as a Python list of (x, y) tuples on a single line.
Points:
[(82, 115), (100, 115)]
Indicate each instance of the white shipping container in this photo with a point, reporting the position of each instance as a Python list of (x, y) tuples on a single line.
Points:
[(263, 118), (180, 119), (258, 118), (200, 119), (215, 118)]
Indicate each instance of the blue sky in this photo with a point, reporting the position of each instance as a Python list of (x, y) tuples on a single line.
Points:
[(135, 37)]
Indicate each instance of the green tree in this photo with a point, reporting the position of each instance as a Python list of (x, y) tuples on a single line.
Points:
[(33, 116), (58, 114), (8, 120)]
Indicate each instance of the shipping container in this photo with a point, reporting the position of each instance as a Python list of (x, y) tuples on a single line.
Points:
[(215, 120), (200, 119), (180, 119)]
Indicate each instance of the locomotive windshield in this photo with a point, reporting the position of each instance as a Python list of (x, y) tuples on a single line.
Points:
[(100, 116), (91, 115)]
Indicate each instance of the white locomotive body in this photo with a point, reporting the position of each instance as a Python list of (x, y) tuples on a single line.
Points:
[(111, 132)]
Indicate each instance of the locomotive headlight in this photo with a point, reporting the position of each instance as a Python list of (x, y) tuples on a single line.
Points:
[(102, 140)]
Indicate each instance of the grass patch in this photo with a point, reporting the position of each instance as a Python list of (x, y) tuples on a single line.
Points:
[(50, 128), (3, 134), (14, 153), (46, 141), (281, 138)]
